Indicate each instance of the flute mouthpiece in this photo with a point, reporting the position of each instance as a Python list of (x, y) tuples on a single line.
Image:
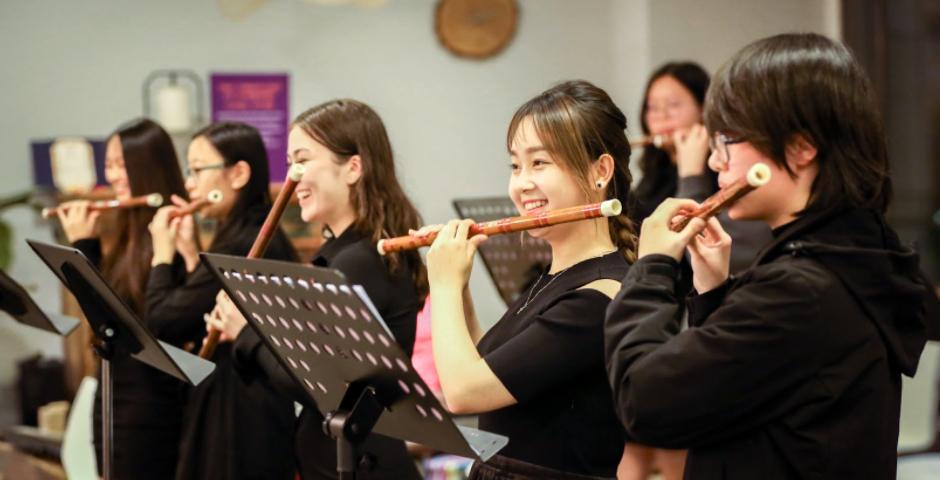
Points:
[(154, 200), (611, 208), (215, 196), (296, 171), (758, 175)]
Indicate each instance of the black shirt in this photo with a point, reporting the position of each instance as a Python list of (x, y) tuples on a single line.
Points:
[(550, 356), (231, 429), (396, 299)]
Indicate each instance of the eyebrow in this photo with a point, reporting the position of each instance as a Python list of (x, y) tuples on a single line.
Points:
[(530, 150), (298, 150)]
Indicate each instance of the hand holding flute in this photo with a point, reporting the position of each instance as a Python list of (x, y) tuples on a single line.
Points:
[(172, 230), (680, 224)]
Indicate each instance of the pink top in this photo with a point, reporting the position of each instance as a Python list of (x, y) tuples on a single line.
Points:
[(423, 357)]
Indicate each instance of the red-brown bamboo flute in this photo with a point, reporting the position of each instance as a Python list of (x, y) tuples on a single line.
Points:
[(757, 176), (607, 208), (214, 196), (153, 200), (265, 235), (658, 141)]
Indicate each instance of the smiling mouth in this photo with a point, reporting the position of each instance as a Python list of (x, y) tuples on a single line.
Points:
[(532, 205)]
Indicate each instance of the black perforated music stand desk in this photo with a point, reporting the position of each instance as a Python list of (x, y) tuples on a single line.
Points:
[(514, 262), (118, 332), (329, 337), (16, 301)]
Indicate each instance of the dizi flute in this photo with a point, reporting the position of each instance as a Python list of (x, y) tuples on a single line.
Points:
[(757, 176), (658, 141), (606, 208), (153, 200), (214, 196), (268, 229)]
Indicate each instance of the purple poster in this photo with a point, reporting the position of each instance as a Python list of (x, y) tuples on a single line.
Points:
[(259, 100)]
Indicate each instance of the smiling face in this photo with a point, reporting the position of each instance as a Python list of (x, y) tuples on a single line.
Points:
[(324, 190), (670, 107), (540, 182), (114, 171)]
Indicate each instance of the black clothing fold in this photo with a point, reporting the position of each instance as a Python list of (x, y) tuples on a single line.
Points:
[(791, 370), (231, 429)]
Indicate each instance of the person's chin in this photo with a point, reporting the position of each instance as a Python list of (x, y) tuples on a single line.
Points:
[(307, 214)]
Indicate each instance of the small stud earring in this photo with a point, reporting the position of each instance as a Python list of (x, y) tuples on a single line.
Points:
[(600, 184)]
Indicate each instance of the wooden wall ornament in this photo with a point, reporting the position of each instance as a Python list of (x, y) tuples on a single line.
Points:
[(476, 28)]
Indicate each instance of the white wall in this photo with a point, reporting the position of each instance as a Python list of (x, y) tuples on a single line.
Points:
[(77, 68)]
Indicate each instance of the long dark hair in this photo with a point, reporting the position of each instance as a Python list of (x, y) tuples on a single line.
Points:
[(348, 127), (152, 167), (578, 122), (236, 141), (809, 85), (656, 165)]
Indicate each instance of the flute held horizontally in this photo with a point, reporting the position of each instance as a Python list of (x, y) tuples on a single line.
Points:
[(607, 208), (757, 176), (153, 200)]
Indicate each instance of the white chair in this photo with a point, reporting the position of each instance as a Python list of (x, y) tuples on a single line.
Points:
[(919, 403), (78, 448), (919, 418)]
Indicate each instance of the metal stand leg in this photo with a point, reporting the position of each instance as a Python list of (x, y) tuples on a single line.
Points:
[(107, 418)]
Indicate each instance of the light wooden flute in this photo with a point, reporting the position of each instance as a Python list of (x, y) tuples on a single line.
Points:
[(153, 200), (214, 196), (268, 229), (757, 176), (607, 208)]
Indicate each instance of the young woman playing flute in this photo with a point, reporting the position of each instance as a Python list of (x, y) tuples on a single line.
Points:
[(538, 375), (139, 160), (349, 185), (792, 369), (232, 429)]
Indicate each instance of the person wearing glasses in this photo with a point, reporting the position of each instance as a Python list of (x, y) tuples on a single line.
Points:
[(793, 368), (672, 108), (232, 429)]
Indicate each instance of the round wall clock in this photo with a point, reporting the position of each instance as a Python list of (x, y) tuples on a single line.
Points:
[(476, 28)]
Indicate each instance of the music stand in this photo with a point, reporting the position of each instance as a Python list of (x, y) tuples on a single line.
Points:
[(16, 301), (118, 332), (514, 262), (329, 337)]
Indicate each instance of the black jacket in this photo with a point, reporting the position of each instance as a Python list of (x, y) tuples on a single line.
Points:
[(790, 371)]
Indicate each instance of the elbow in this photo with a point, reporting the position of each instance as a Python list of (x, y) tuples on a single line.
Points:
[(460, 402)]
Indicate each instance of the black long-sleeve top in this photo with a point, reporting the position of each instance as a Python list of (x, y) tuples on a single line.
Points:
[(396, 299), (792, 370), (231, 429)]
